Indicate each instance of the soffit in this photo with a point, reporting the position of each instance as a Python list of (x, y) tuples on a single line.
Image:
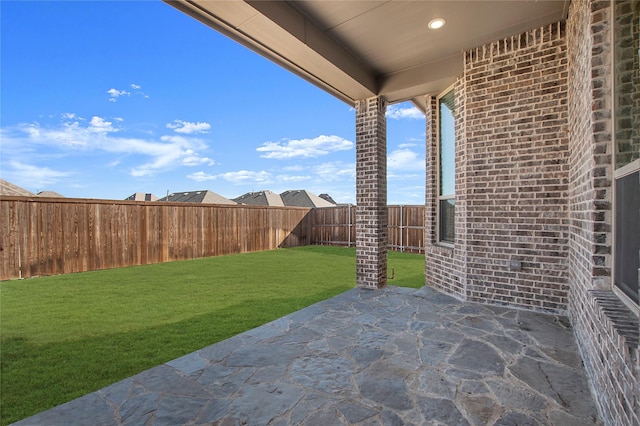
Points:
[(359, 49)]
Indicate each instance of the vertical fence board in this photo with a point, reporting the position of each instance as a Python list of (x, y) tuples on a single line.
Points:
[(83, 239), (10, 216), (36, 256), (93, 238)]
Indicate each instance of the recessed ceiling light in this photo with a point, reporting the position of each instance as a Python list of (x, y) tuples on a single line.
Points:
[(436, 23)]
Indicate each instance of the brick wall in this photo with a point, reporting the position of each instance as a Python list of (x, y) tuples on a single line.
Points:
[(371, 193), (511, 175), (534, 180), (604, 327), (516, 181)]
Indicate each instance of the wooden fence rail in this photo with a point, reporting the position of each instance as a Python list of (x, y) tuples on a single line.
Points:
[(46, 236), (336, 226)]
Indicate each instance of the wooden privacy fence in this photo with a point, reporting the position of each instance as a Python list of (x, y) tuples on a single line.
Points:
[(45, 236), (48, 236), (336, 226)]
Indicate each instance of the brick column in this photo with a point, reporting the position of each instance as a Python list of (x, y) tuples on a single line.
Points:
[(371, 193)]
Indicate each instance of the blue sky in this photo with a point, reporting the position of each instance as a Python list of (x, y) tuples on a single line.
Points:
[(104, 99)]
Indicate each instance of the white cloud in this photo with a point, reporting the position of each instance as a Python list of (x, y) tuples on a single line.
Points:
[(73, 133), (174, 139), (115, 94), (99, 134), (290, 178), (247, 176), (398, 112), (193, 159), (100, 125), (201, 176), (175, 152), (407, 145), (188, 128), (70, 134), (335, 171), (33, 130), (405, 160), (138, 90), (34, 176), (306, 148)]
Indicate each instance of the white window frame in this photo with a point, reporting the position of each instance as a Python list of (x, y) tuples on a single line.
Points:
[(439, 197)]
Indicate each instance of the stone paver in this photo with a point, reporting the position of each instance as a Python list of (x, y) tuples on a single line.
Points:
[(391, 357)]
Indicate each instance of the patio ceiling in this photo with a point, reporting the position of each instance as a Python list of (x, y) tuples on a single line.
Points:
[(360, 49)]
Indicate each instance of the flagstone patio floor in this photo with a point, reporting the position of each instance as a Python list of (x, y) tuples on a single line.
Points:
[(396, 356)]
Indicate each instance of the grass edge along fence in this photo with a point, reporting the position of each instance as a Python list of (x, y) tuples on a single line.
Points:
[(51, 236)]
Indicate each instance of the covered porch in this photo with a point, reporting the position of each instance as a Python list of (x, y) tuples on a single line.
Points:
[(397, 356), (544, 152)]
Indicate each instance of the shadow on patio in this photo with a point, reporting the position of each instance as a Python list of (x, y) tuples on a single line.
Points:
[(392, 357)]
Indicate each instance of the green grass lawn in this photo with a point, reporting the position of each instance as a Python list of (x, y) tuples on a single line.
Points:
[(67, 335)]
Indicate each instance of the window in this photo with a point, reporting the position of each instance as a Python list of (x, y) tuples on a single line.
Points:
[(626, 75), (446, 167)]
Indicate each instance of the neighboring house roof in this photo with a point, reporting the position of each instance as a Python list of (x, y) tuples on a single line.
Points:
[(328, 198), (260, 198), (7, 188), (302, 198), (141, 196), (203, 197), (50, 194)]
